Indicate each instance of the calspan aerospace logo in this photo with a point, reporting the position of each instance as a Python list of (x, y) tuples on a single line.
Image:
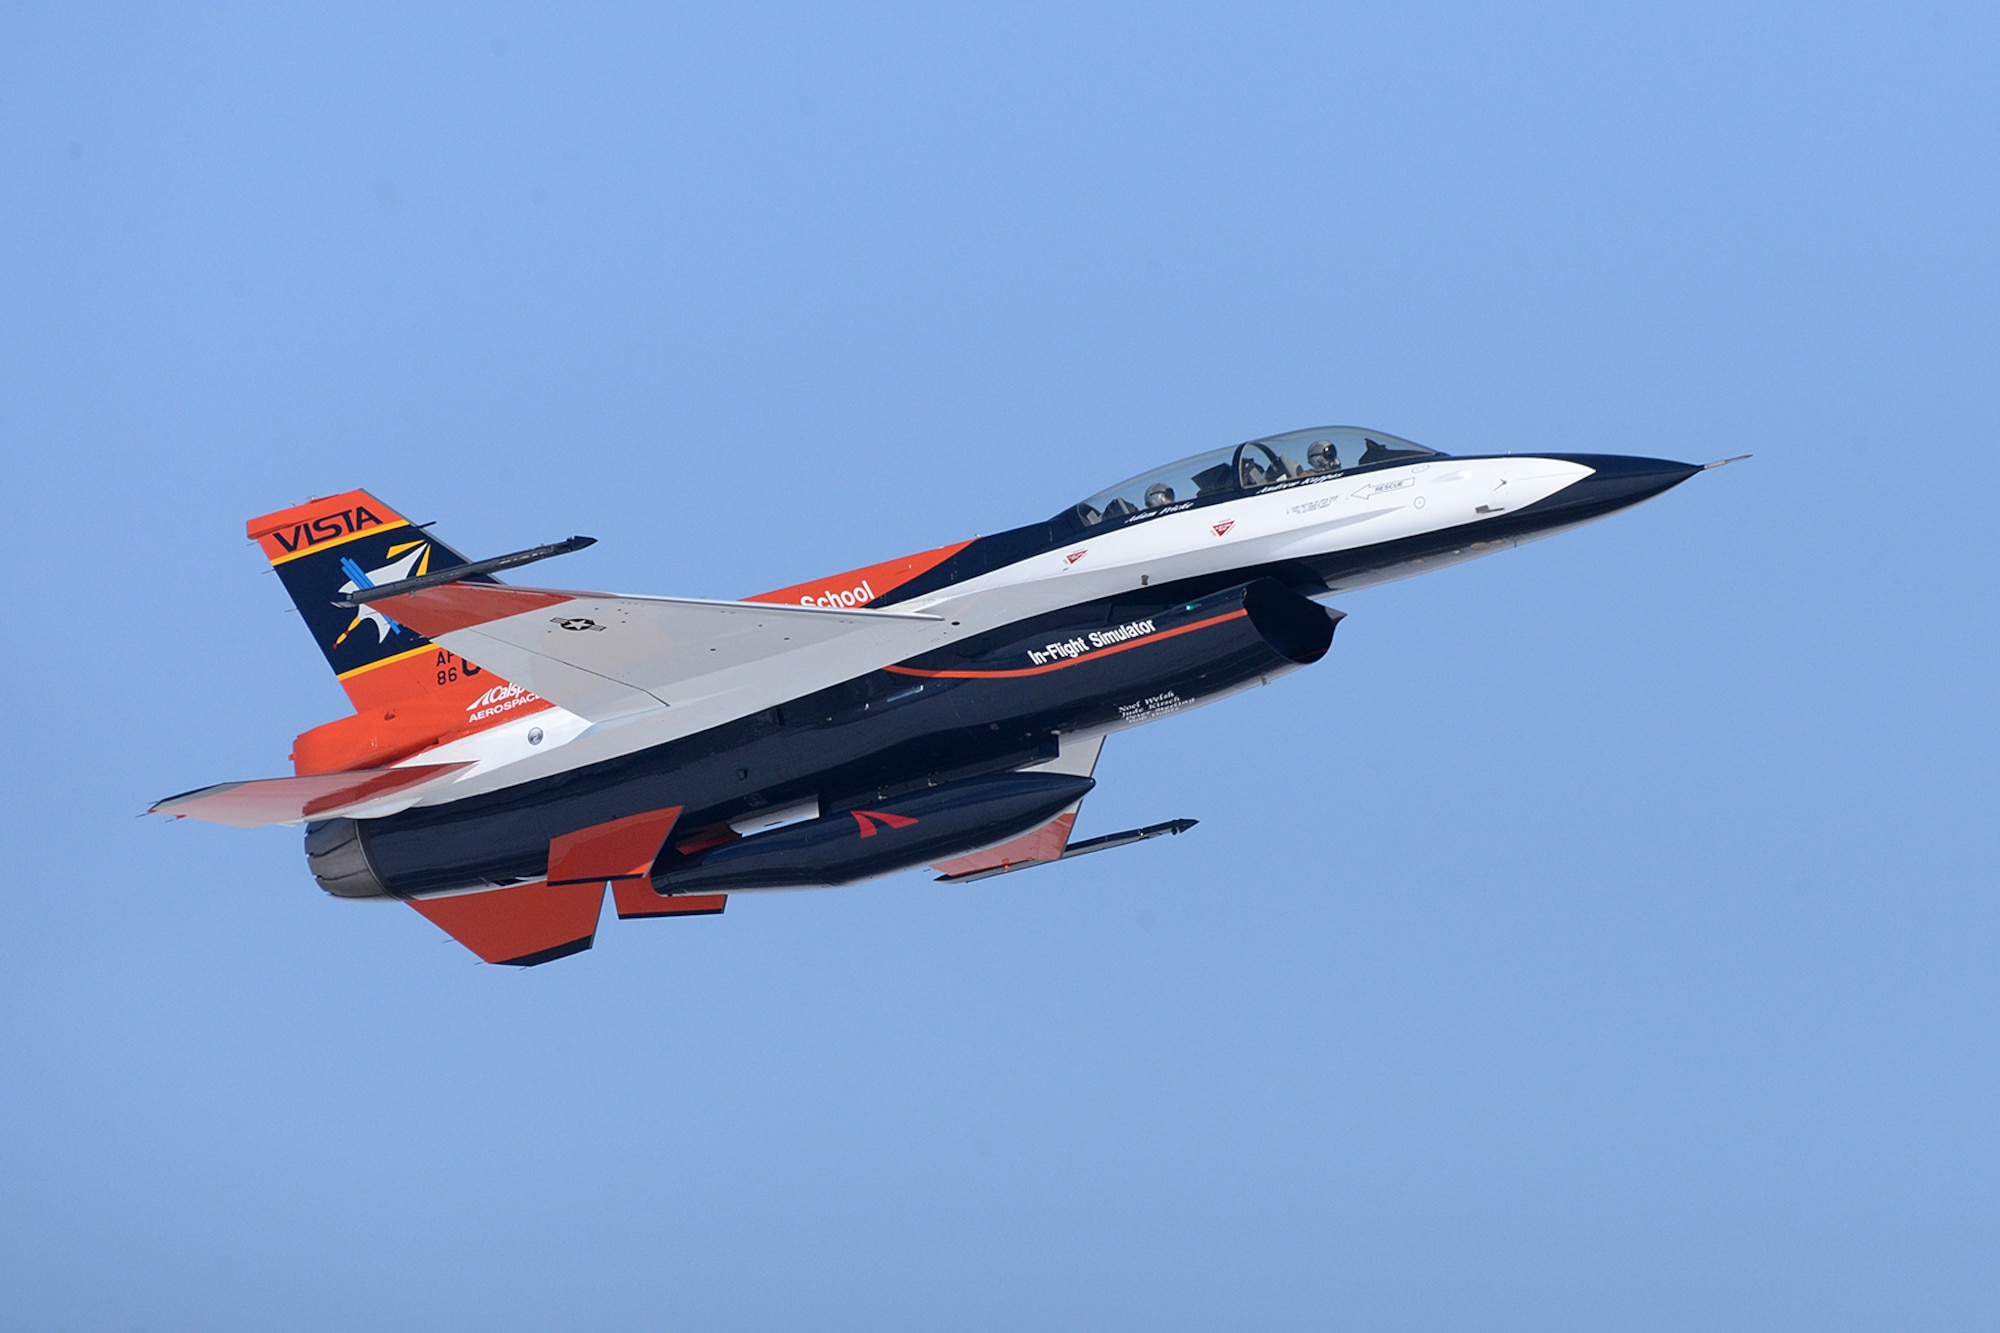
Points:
[(406, 561), (500, 699)]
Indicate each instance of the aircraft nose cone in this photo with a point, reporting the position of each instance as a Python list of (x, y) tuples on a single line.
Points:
[(1615, 482)]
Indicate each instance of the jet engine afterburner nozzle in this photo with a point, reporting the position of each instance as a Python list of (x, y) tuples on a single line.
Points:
[(339, 861)]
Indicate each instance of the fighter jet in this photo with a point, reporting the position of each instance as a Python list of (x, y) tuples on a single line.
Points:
[(514, 751)]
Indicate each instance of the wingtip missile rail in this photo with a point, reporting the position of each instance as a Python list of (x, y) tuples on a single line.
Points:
[(460, 573)]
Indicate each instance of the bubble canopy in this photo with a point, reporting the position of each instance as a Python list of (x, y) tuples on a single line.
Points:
[(1298, 455)]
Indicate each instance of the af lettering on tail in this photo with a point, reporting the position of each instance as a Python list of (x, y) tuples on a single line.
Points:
[(408, 693)]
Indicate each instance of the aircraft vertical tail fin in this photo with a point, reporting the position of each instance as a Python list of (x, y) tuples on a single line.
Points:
[(407, 692)]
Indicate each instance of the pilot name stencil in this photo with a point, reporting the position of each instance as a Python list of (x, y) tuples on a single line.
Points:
[(1150, 707)]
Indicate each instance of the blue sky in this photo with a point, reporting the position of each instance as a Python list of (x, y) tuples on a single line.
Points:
[(1602, 935)]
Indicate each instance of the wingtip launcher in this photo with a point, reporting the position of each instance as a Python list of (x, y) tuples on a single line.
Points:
[(459, 573)]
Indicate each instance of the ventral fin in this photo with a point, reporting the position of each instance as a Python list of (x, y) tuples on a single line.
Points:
[(636, 901), (522, 926)]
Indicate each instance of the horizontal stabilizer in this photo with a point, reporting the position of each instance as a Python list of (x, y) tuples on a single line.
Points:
[(604, 656), (295, 800), (523, 925)]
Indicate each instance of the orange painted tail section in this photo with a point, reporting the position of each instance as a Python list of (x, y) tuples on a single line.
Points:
[(408, 693)]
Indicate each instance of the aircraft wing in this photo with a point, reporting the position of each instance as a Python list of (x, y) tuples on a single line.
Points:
[(604, 656)]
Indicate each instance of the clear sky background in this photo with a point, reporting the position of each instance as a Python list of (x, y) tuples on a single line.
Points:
[(1603, 935)]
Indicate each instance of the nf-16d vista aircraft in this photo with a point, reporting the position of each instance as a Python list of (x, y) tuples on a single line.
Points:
[(515, 750)]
